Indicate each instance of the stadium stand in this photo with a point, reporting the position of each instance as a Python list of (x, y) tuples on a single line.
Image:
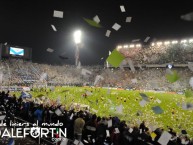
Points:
[(151, 75), (23, 73)]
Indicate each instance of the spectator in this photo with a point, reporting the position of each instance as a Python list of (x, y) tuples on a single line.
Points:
[(38, 114), (78, 127), (101, 132)]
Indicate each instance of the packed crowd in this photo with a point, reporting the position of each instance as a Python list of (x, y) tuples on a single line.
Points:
[(84, 126), (147, 79), (23, 73), (20, 72), (160, 54)]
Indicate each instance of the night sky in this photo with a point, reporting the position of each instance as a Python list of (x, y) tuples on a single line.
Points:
[(28, 23)]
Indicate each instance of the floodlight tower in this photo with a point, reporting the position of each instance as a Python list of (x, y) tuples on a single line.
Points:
[(77, 40)]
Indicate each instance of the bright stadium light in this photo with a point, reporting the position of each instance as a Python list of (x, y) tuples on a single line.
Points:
[(125, 46), (131, 46), (77, 37), (174, 42), (190, 40), (138, 45), (184, 41), (167, 42), (77, 40), (159, 43), (119, 47), (152, 44)]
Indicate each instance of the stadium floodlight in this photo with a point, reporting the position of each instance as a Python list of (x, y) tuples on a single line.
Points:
[(138, 45), (174, 42), (183, 41), (119, 47), (167, 42), (152, 44), (77, 40), (77, 37), (159, 43), (125, 46), (190, 40), (131, 46)]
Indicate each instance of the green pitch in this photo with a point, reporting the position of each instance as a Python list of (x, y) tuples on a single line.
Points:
[(105, 102)]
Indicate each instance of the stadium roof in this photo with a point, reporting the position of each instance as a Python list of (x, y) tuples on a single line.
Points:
[(31, 23)]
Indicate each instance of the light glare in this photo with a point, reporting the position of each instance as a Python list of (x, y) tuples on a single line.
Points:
[(167, 42), (159, 43), (183, 41), (77, 36), (190, 40), (119, 47), (174, 42), (125, 46)]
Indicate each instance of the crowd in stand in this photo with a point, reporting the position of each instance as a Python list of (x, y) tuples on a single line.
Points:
[(18, 71), (160, 53), (21, 73), (24, 72), (84, 126)]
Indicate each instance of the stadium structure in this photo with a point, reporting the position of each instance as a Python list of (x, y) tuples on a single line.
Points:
[(141, 63), (150, 83)]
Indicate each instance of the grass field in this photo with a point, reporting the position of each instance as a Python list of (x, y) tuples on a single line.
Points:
[(105, 102)]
